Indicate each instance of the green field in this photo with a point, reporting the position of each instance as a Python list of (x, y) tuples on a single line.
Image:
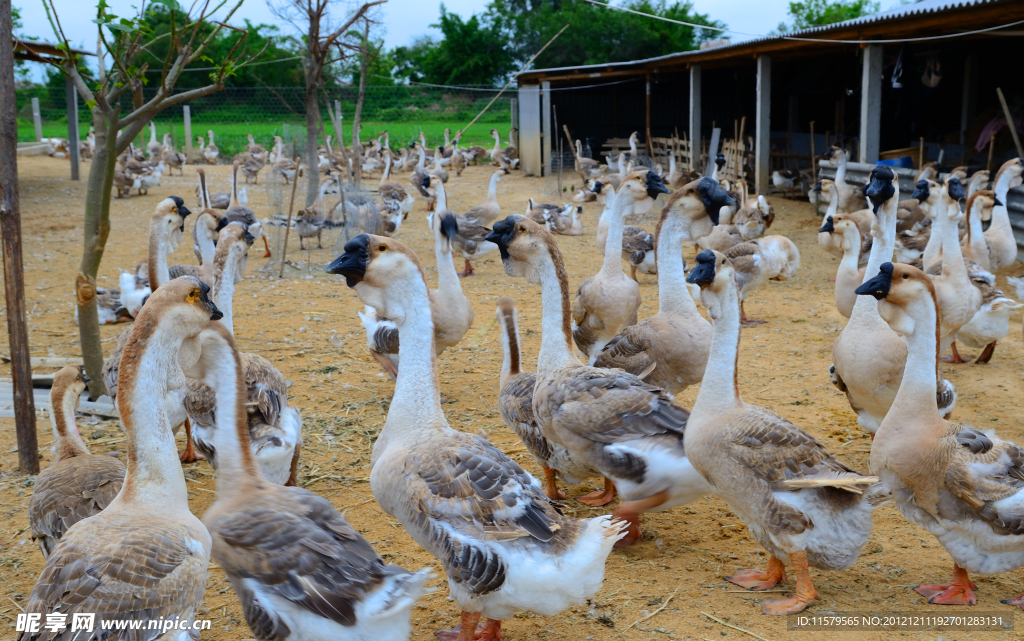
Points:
[(231, 137)]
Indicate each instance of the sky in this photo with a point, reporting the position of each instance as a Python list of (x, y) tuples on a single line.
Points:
[(404, 20)]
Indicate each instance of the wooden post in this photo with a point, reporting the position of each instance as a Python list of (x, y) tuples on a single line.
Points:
[(762, 145), (513, 112), (14, 277), (547, 139), (871, 105), (340, 131), (1010, 123), (291, 207), (37, 118), (991, 147), (814, 160), (187, 112), (72, 102), (695, 139), (921, 155), (647, 120), (743, 129), (716, 136)]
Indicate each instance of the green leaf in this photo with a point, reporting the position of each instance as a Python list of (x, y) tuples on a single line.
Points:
[(170, 4), (119, 27), (91, 104)]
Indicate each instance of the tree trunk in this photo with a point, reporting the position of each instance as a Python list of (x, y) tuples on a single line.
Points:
[(96, 229), (312, 141)]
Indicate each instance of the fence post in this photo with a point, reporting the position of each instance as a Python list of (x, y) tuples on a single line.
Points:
[(187, 111), (38, 118), (72, 101), (514, 110), (339, 128)]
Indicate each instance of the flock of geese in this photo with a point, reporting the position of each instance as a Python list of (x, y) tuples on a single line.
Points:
[(121, 541)]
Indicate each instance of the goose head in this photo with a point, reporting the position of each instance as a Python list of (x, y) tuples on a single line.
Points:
[(846, 229), (952, 194), (834, 155), (523, 245), (715, 276), (700, 210), (68, 385), (171, 319), (642, 184), (883, 184), (378, 268), (980, 203), (720, 161), (170, 215), (1012, 169), (902, 292)]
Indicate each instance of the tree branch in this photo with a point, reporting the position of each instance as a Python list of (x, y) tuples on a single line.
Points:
[(352, 20)]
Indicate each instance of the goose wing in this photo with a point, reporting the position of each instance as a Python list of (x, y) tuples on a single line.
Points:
[(628, 349), (111, 366), (136, 568), (266, 387), (515, 404), (982, 470), (299, 547), (466, 497), (75, 489)]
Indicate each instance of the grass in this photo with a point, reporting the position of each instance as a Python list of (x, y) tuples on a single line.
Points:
[(231, 137)]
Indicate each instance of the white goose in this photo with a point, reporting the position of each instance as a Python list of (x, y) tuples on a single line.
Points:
[(503, 545)]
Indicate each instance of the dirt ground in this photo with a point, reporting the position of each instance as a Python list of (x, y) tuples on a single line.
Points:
[(307, 326)]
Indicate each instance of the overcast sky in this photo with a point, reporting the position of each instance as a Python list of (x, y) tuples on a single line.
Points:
[(404, 20)]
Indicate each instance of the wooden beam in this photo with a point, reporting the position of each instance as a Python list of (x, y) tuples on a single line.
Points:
[(14, 276), (762, 144)]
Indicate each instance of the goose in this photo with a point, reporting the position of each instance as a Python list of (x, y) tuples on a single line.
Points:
[(256, 149), (489, 211), (675, 178), (284, 166), (109, 307), (675, 341), (450, 309), (511, 151), (469, 239), (611, 419), (850, 275), (912, 244), (767, 258), (133, 292), (210, 153), (145, 556), (309, 223), (979, 182), (587, 168), (299, 569), (237, 212), (171, 158), (150, 178), (974, 246), (536, 211), (957, 297), (785, 180), (438, 170), (252, 165), (275, 428), (851, 198), (608, 301), (719, 165), (77, 484), (392, 190), (420, 179), (806, 508), (457, 162), (565, 222), (154, 148), (962, 484), (515, 405), (991, 323), (750, 222), (209, 222), (999, 235), (863, 219), (504, 546), (868, 357)]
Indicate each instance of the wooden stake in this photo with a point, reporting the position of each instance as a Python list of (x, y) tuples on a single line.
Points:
[(991, 148), (1009, 123), (920, 154), (14, 277), (291, 206), (814, 161)]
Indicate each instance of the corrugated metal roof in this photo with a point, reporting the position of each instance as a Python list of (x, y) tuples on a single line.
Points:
[(918, 8)]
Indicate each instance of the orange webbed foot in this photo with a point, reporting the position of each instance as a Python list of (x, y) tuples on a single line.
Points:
[(789, 605), (597, 498), (190, 455), (551, 486), (1017, 601), (757, 580), (633, 533)]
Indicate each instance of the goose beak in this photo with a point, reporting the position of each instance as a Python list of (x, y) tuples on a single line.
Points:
[(920, 191), (501, 234), (878, 287), (828, 226), (955, 189), (880, 187), (703, 273), (215, 314), (85, 377), (996, 202), (654, 185), (352, 264)]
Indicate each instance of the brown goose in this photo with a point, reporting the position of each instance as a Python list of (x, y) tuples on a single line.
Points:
[(77, 484), (143, 558), (797, 500)]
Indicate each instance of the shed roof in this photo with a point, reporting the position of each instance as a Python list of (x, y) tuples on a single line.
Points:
[(927, 18)]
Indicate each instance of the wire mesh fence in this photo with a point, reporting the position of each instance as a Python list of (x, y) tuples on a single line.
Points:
[(264, 112)]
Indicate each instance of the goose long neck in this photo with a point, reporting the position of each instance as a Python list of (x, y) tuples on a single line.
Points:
[(841, 170), (492, 190), (718, 390), (387, 169), (673, 297), (952, 255), (915, 399), (556, 347), (510, 364), (448, 281), (236, 468), (415, 413), (158, 272), (225, 272), (154, 478), (613, 244), (423, 157), (66, 438)]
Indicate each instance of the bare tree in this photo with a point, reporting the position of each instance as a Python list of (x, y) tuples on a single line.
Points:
[(119, 74), (322, 42), (364, 64)]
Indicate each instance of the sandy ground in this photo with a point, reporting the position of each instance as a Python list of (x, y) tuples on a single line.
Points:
[(307, 325)]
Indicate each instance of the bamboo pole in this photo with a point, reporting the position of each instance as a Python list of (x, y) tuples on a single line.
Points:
[(991, 148), (1010, 123), (291, 207), (14, 277), (920, 154), (498, 95)]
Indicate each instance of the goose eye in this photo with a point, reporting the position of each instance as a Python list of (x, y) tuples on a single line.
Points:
[(906, 276), (382, 248), (521, 228)]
